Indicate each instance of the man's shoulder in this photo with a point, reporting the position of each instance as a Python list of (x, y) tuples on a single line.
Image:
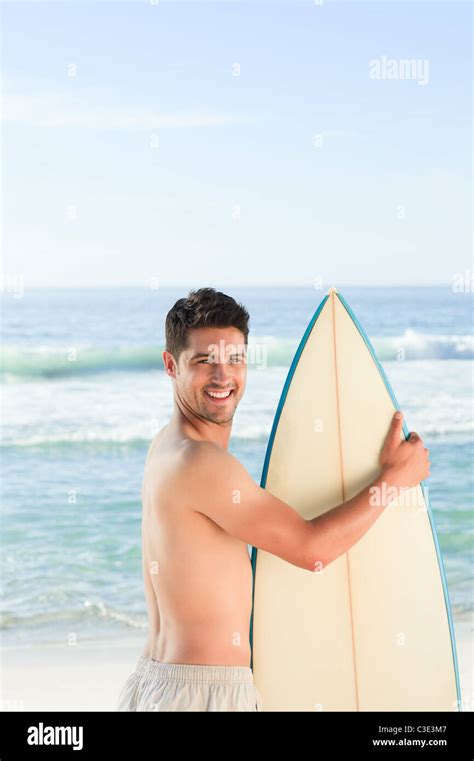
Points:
[(190, 465), (195, 454), (188, 471), (187, 456)]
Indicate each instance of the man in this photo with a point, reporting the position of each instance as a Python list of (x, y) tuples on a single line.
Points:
[(196, 565)]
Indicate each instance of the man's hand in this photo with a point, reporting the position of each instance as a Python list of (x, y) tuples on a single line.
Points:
[(408, 459)]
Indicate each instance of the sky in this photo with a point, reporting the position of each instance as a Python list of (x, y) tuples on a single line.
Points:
[(236, 143)]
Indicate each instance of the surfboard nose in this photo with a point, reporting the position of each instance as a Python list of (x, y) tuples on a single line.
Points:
[(332, 289)]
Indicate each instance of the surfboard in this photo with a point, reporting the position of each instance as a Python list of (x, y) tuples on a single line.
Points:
[(373, 630)]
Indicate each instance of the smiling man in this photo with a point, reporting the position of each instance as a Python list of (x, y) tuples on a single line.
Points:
[(200, 510)]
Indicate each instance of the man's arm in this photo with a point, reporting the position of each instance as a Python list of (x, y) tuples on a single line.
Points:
[(341, 527), (213, 482)]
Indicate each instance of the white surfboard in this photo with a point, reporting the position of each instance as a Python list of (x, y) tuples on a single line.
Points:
[(373, 630)]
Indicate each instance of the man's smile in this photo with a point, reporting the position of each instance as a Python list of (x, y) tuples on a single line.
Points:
[(219, 397)]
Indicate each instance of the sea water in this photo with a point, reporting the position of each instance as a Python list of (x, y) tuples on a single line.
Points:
[(84, 392)]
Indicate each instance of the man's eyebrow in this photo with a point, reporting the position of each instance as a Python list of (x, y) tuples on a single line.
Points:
[(206, 354)]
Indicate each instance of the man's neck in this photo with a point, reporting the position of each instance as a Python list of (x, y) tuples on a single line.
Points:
[(195, 428)]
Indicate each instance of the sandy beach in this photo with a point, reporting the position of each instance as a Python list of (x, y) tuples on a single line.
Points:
[(67, 678), (89, 678)]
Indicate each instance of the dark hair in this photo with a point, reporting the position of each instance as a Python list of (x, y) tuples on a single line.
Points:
[(203, 308)]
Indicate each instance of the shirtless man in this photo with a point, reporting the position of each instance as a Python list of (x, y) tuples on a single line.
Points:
[(195, 532)]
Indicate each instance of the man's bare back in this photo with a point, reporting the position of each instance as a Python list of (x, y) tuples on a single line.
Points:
[(198, 578)]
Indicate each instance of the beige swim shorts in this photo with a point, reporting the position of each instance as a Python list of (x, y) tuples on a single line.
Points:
[(158, 686)]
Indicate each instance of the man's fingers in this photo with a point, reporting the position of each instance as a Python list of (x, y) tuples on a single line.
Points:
[(393, 436), (397, 422), (395, 426)]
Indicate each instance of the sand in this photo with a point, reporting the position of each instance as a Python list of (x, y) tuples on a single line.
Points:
[(66, 678)]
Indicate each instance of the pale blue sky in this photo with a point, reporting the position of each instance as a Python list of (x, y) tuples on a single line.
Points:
[(155, 163)]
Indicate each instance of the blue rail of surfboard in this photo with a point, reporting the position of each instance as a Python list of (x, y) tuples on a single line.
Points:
[(406, 433)]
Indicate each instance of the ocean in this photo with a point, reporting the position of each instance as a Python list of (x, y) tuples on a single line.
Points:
[(84, 392)]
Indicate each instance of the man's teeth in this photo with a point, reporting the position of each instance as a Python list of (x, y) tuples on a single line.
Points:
[(218, 395)]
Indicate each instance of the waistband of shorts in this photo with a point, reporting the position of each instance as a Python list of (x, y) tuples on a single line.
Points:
[(194, 672)]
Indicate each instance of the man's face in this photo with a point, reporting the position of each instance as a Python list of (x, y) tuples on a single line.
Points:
[(212, 372)]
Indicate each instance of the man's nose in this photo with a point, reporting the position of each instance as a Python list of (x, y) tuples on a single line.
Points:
[(220, 372)]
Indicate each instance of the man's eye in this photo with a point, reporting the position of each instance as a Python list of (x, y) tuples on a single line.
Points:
[(234, 359)]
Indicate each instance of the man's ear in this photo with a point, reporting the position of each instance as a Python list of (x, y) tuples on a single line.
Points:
[(170, 365)]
